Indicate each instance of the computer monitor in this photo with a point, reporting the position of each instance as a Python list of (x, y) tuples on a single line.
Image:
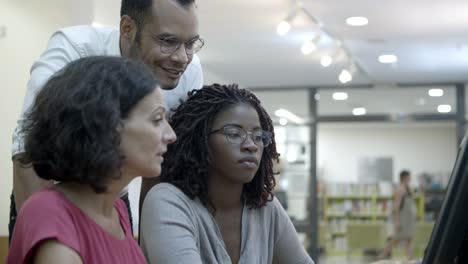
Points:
[(449, 238)]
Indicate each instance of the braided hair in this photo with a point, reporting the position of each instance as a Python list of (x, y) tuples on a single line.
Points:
[(187, 161)]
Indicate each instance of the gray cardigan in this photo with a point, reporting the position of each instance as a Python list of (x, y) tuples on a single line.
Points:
[(177, 229)]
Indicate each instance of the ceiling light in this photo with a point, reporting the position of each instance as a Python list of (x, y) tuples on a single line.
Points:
[(388, 58), (436, 92), (340, 96), (359, 111), (289, 116), (283, 28), (310, 45), (326, 61), (97, 24), (444, 108), (285, 25), (345, 76), (283, 121), (357, 21)]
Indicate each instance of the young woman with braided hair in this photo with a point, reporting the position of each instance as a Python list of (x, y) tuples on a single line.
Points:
[(215, 202)]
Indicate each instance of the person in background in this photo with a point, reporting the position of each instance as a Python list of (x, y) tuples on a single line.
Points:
[(404, 217), (215, 203), (161, 33), (96, 125)]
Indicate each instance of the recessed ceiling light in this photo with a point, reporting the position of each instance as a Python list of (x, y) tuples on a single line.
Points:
[(283, 113), (340, 96), (388, 58), (359, 111), (436, 92), (283, 121), (308, 47), (326, 61), (345, 76), (444, 108), (357, 21), (97, 24), (283, 28)]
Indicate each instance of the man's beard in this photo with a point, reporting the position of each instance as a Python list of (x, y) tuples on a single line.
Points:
[(134, 54)]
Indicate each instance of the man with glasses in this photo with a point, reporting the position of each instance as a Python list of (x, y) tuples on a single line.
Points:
[(161, 33)]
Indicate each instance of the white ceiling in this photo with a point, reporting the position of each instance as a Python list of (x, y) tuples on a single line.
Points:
[(377, 101), (430, 38)]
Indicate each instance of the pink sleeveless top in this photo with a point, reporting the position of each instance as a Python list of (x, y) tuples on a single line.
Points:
[(48, 214)]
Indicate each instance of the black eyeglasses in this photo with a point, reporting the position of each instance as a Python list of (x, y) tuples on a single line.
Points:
[(170, 45), (237, 135)]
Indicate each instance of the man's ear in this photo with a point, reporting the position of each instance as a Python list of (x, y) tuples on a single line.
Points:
[(128, 28)]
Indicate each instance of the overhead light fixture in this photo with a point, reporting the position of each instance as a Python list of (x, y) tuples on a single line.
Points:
[(283, 121), (358, 111), (345, 76), (285, 25), (444, 108), (435, 92), (357, 21), (388, 58), (97, 24), (283, 113), (326, 61), (308, 47), (283, 28), (340, 96)]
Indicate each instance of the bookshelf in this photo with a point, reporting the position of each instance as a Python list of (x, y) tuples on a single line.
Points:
[(362, 203)]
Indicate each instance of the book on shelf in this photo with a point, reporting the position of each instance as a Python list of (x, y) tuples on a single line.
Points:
[(344, 203)]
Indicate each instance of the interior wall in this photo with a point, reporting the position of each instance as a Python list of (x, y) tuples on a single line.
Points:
[(29, 25), (419, 148)]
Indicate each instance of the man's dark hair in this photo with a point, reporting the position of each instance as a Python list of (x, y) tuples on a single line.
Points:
[(72, 130), (404, 174), (140, 10), (187, 161)]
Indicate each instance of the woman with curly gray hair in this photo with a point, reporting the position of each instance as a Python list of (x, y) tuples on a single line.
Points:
[(96, 125)]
